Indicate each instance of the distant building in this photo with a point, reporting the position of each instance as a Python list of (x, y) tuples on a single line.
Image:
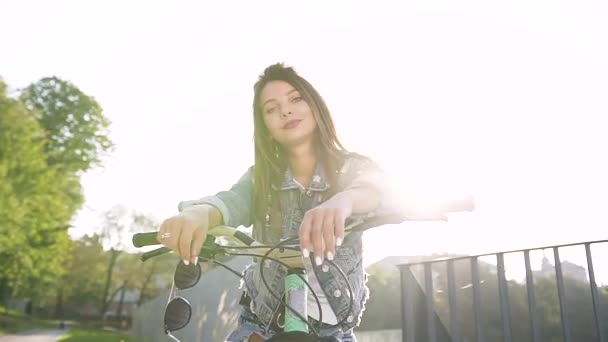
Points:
[(569, 270)]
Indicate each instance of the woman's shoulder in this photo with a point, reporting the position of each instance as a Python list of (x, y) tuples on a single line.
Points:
[(356, 164), (356, 160), (352, 154)]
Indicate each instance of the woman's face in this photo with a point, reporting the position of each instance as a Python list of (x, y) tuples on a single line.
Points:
[(287, 116)]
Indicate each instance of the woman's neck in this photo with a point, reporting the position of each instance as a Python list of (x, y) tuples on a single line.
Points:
[(302, 160)]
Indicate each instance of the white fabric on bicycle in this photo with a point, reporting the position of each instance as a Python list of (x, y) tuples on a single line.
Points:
[(329, 316)]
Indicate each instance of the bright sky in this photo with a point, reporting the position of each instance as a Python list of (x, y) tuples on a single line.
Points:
[(506, 102)]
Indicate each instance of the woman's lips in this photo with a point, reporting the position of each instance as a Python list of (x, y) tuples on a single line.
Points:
[(291, 124)]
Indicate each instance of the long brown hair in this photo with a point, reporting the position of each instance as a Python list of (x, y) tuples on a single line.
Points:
[(270, 159)]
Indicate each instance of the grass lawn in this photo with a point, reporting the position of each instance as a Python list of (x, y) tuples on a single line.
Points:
[(79, 335), (15, 322)]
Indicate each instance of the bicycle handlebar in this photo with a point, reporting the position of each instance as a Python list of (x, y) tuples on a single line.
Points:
[(458, 205), (244, 240), (149, 239)]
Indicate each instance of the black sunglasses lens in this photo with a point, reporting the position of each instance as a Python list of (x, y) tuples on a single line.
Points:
[(186, 276), (177, 314)]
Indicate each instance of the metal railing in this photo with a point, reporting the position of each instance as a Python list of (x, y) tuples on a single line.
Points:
[(421, 322)]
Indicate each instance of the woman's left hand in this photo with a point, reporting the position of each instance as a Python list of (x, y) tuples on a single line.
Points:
[(323, 227)]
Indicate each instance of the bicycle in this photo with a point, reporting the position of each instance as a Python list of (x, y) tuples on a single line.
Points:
[(296, 326)]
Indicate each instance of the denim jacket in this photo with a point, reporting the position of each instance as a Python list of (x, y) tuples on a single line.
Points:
[(235, 207)]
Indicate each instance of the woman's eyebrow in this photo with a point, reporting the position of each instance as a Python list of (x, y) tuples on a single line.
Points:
[(267, 101), (294, 90)]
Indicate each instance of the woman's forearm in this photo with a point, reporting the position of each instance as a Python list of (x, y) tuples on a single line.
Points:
[(206, 212), (361, 199)]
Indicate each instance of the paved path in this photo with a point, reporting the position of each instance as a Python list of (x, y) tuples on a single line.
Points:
[(36, 335)]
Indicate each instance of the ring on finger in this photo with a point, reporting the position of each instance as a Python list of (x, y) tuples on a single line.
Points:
[(165, 235)]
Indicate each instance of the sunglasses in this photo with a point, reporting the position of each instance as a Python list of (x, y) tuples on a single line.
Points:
[(178, 311)]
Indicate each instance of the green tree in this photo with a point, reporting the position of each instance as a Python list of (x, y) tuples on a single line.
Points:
[(36, 202), (384, 300), (75, 128), (118, 226), (148, 278), (49, 136), (82, 285)]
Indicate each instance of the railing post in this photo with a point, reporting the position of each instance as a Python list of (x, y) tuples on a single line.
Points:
[(408, 318), (597, 311), (415, 314), (534, 326), (479, 331), (454, 327), (503, 293), (561, 292), (421, 322), (430, 305)]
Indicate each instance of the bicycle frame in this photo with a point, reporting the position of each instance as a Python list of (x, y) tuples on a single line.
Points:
[(296, 285)]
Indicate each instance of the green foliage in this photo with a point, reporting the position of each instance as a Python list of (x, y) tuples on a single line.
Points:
[(385, 297), (146, 277), (49, 135), (118, 226), (75, 129), (36, 202), (84, 282)]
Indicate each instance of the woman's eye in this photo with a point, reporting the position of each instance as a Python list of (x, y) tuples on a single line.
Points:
[(271, 110), (297, 99)]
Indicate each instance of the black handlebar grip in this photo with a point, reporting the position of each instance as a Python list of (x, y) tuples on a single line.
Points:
[(244, 238), (145, 239)]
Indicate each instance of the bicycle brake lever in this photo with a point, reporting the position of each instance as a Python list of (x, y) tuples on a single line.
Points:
[(211, 249)]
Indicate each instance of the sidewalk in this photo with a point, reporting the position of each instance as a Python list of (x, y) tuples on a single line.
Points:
[(36, 335)]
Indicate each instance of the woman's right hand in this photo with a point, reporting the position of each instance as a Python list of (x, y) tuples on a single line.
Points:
[(186, 232)]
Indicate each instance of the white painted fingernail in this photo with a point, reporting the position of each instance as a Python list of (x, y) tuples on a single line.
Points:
[(339, 242), (194, 260), (305, 253), (330, 256), (318, 260), (186, 262)]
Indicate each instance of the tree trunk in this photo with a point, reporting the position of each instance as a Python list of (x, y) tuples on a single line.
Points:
[(59, 304), (144, 286), (104, 299), (122, 300), (33, 303), (4, 295)]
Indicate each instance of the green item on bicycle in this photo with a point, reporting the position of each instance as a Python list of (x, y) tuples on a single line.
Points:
[(296, 294)]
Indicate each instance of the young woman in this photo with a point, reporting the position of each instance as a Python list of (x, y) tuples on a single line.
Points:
[(305, 184)]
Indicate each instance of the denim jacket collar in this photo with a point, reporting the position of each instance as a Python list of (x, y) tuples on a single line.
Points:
[(318, 183)]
